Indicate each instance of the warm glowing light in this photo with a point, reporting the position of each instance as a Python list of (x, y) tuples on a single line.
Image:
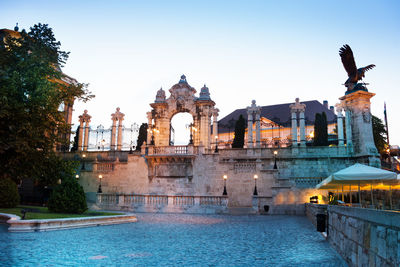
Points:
[(84, 156), (194, 129), (255, 176), (100, 176), (77, 176), (216, 137), (225, 176), (275, 152), (312, 134)]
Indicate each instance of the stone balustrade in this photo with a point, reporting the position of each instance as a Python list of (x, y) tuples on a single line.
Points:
[(164, 203), (172, 150)]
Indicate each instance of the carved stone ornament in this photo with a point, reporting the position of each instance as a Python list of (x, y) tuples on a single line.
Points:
[(366, 115)]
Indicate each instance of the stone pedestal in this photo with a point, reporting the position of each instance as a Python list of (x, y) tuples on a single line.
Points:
[(358, 115)]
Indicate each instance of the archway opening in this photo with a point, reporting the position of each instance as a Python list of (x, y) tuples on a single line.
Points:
[(180, 129)]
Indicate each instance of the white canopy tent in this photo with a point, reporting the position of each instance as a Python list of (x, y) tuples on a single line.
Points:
[(359, 174)]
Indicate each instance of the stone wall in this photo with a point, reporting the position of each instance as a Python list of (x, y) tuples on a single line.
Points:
[(364, 237), (284, 190), (313, 209)]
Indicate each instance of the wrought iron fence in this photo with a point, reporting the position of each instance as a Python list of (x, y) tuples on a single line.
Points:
[(100, 137)]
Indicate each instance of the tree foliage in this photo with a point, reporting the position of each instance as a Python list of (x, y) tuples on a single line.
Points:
[(142, 137), (320, 130), (379, 132), (68, 197), (240, 129), (9, 197), (31, 91)]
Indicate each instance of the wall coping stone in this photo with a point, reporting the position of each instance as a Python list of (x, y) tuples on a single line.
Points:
[(382, 217), (18, 225)]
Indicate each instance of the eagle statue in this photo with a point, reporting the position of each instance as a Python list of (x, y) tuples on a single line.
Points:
[(354, 74)]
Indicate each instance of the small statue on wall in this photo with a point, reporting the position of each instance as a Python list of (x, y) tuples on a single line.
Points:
[(354, 74)]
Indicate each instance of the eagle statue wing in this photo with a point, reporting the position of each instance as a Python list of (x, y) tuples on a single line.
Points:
[(367, 68), (348, 60)]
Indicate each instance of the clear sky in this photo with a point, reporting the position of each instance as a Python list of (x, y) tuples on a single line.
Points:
[(270, 51)]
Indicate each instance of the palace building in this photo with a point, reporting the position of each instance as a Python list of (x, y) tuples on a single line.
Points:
[(276, 171)]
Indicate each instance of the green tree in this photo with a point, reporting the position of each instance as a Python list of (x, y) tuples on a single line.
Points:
[(320, 130), (76, 140), (379, 132), (142, 137), (240, 129), (31, 91), (9, 197), (68, 197)]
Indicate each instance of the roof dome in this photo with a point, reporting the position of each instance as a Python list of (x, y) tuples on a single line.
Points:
[(204, 93), (160, 97)]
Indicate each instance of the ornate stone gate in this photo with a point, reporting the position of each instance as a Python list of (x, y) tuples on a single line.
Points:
[(165, 160), (182, 99)]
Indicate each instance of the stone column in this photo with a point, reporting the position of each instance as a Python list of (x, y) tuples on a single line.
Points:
[(113, 130), (80, 137), (294, 128), (119, 140), (302, 129), (86, 141), (215, 126), (294, 108), (340, 126), (258, 133), (215, 122), (349, 137), (84, 121), (249, 129)]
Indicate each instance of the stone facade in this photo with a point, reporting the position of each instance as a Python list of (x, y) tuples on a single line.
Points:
[(284, 190)]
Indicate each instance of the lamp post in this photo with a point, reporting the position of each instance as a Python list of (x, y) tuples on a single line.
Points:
[(255, 193), (83, 161), (99, 190), (216, 144), (275, 153), (225, 177)]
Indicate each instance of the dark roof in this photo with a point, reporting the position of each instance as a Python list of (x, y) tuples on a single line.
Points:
[(279, 114)]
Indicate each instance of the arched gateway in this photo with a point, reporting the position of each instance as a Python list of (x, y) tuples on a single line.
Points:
[(165, 160), (182, 99)]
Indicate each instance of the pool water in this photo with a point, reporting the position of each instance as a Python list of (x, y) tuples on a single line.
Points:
[(175, 240)]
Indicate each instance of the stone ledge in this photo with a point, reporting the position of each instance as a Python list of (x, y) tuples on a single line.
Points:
[(17, 225), (380, 217)]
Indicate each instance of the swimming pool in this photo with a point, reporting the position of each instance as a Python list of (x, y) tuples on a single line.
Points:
[(174, 240)]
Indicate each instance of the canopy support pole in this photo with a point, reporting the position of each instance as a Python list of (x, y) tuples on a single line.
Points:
[(372, 197), (390, 194), (342, 194), (351, 195), (359, 194)]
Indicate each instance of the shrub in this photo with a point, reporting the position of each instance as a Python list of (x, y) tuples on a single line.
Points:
[(68, 197), (9, 197)]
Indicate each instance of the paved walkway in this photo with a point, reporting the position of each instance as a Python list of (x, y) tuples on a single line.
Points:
[(176, 240)]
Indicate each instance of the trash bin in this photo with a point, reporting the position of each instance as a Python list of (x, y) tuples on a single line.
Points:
[(266, 208), (321, 222)]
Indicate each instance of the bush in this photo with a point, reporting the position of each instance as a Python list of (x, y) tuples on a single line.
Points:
[(9, 197), (68, 197)]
